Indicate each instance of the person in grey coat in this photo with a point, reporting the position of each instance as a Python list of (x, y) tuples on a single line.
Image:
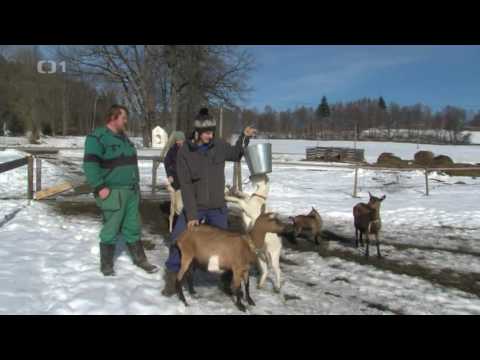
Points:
[(201, 174)]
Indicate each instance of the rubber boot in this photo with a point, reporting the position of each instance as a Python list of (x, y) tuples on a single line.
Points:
[(107, 252), (170, 278), (139, 258)]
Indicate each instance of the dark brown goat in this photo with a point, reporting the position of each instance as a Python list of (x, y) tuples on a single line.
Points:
[(219, 250), (367, 221), (312, 221)]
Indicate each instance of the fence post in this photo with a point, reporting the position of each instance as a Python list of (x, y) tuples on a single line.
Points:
[(239, 176), (38, 174), (355, 182), (155, 165), (30, 177), (427, 190)]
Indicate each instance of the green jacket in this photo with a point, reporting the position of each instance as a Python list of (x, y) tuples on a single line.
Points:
[(110, 160)]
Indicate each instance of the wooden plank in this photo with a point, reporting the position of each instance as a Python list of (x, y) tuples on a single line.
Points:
[(10, 165), (54, 190)]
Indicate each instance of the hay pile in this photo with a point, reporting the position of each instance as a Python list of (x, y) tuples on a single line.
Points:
[(428, 160), (389, 159), (424, 158), (442, 161)]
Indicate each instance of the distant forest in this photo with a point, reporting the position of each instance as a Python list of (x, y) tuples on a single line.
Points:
[(365, 119), (166, 85)]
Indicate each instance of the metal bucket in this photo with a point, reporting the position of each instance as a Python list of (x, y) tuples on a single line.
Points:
[(259, 158)]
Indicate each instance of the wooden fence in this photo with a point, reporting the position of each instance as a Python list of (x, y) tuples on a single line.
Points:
[(28, 161), (335, 154), (426, 171)]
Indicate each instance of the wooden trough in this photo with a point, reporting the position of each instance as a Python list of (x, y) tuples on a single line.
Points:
[(335, 154)]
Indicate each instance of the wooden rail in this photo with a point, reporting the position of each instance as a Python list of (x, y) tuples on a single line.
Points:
[(14, 164), (10, 165), (425, 170)]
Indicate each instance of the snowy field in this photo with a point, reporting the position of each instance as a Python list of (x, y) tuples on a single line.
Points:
[(49, 262)]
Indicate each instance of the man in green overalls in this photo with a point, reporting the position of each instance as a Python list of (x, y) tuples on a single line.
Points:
[(111, 168)]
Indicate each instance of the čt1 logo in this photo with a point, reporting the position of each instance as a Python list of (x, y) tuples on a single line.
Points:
[(50, 66)]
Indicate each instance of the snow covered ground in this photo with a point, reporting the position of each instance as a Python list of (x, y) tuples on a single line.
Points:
[(49, 261)]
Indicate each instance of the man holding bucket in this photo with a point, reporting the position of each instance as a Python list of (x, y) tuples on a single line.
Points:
[(201, 173)]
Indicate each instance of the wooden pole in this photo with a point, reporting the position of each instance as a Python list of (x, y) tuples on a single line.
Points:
[(30, 177), (220, 125), (239, 176), (155, 164), (234, 178), (38, 174), (355, 182), (427, 190)]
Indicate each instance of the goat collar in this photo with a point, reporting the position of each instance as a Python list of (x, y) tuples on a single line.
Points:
[(260, 196)]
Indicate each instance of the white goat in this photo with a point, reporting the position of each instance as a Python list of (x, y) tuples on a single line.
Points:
[(252, 206)]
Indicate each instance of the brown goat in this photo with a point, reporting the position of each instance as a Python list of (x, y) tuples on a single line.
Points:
[(312, 221), (367, 221), (220, 250)]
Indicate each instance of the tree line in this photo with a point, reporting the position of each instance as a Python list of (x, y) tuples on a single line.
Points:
[(364, 119)]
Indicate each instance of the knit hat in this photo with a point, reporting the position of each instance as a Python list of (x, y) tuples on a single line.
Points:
[(204, 122), (178, 135)]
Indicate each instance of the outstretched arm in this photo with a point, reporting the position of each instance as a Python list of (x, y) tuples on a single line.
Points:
[(235, 152)]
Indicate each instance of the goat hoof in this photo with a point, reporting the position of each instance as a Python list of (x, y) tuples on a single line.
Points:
[(276, 290), (251, 302), (241, 307)]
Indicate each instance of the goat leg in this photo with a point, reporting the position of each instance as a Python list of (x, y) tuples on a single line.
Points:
[(247, 290), (356, 237), (262, 264), (181, 296), (378, 245), (367, 251), (238, 303), (190, 274)]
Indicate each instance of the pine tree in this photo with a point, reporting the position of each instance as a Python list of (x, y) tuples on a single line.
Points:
[(381, 103), (324, 108)]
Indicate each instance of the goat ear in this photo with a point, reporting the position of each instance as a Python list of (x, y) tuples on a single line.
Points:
[(263, 209), (369, 194)]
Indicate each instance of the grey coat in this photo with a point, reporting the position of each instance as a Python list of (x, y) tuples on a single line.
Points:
[(202, 173)]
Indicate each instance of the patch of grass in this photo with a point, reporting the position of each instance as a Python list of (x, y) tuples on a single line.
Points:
[(382, 307), (288, 297)]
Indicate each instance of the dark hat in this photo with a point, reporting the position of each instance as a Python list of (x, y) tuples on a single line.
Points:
[(204, 122)]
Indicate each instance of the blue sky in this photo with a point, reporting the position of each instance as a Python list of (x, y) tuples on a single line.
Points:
[(289, 76)]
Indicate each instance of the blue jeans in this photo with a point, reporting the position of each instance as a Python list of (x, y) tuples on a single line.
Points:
[(214, 217)]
